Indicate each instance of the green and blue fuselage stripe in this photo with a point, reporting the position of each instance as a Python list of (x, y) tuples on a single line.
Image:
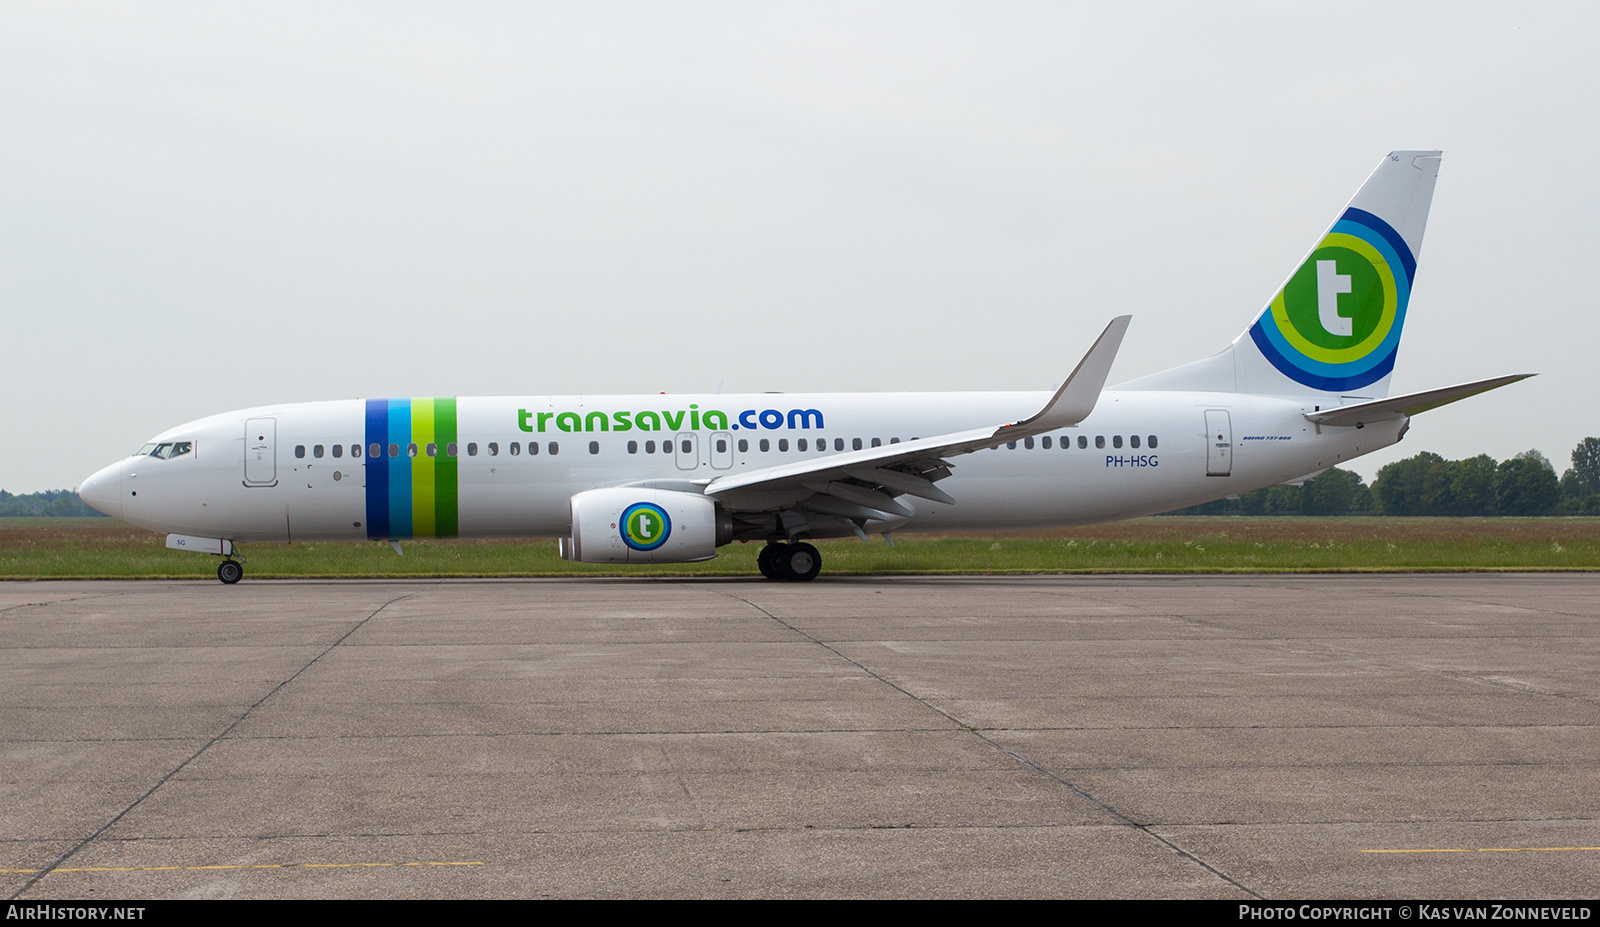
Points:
[(412, 493), (446, 523), (399, 463), (377, 432)]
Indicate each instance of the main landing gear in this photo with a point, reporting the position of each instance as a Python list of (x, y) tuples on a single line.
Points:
[(794, 562), (230, 571)]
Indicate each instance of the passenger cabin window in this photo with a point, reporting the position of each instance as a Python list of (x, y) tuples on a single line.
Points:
[(411, 450), (1083, 441), (317, 452), (1133, 442), (1152, 442), (516, 448), (783, 445), (744, 446), (633, 447), (338, 451), (355, 450), (594, 447), (494, 448), (765, 445), (1045, 442), (554, 448), (533, 448), (800, 444), (433, 449), (877, 442), (472, 448), (299, 451), (1116, 441), (649, 447), (855, 444), (1027, 443), (1100, 441)]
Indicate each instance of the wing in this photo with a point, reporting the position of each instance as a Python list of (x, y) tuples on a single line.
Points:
[(862, 485)]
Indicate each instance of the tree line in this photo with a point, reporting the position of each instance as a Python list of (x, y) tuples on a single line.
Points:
[(1428, 484), (62, 503)]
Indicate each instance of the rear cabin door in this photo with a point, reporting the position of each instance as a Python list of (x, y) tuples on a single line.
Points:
[(261, 452), (1219, 443)]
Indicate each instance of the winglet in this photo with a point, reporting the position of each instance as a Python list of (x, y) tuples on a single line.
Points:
[(1076, 398)]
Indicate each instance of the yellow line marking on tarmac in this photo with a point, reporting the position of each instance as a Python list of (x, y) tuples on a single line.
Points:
[(1495, 850), (247, 866)]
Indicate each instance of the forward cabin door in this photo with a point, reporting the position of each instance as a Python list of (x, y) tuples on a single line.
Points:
[(261, 452), (1219, 443)]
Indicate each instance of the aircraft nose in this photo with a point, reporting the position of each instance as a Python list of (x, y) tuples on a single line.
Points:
[(103, 490)]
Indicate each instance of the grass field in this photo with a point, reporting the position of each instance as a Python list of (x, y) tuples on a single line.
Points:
[(60, 548)]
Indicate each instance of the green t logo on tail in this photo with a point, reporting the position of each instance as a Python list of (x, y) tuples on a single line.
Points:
[(1336, 324), (1337, 300)]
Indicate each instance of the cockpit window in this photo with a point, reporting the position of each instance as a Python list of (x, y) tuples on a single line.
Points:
[(146, 451), (167, 449)]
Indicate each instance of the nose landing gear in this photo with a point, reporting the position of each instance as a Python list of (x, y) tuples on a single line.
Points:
[(794, 562), (230, 571)]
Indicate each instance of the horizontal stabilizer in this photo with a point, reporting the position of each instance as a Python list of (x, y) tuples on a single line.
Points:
[(1381, 410)]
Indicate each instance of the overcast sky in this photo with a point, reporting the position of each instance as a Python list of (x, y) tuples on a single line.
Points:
[(209, 206)]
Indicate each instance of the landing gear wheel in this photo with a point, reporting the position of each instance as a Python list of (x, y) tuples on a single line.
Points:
[(769, 559), (230, 571), (802, 564)]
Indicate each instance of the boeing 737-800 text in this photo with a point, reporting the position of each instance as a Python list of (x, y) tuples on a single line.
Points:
[(656, 479)]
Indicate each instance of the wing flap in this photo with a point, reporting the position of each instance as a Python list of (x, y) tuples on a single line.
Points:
[(911, 484)]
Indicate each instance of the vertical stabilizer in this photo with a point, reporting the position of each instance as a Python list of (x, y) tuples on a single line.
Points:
[(1334, 326)]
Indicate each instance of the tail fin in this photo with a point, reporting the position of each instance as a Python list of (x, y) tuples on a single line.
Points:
[(1334, 326)]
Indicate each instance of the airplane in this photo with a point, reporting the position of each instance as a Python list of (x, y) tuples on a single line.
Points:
[(671, 479)]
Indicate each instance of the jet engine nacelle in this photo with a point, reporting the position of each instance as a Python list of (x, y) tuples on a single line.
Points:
[(644, 526)]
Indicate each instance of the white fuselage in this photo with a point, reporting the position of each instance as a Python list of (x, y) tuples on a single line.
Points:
[(273, 473)]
